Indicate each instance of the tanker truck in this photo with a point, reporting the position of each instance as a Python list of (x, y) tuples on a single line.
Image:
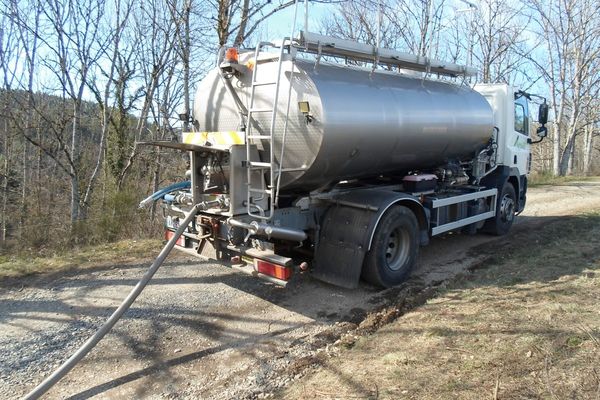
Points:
[(340, 158)]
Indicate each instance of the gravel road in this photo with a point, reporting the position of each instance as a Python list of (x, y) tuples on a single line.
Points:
[(204, 331)]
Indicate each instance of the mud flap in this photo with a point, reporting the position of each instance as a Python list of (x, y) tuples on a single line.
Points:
[(342, 245)]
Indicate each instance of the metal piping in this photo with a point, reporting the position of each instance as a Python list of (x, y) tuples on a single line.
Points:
[(262, 229), (110, 322)]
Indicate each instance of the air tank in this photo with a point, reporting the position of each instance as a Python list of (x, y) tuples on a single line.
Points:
[(359, 122)]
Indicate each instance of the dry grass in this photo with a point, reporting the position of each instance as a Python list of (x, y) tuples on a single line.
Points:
[(540, 179), (525, 325), (84, 257)]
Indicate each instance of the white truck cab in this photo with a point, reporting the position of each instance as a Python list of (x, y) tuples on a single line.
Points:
[(513, 128), (512, 120)]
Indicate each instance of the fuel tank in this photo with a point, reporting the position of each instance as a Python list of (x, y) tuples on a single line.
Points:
[(348, 122)]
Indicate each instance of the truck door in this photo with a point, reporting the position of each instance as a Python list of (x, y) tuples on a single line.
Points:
[(519, 147)]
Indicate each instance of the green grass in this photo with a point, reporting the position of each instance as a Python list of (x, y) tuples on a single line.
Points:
[(84, 257)]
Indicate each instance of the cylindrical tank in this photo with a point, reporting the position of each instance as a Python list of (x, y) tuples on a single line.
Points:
[(360, 124)]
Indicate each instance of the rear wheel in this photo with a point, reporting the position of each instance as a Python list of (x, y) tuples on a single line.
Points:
[(506, 208), (394, 249)]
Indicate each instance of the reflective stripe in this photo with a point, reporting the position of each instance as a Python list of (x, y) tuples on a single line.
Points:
[(214, 138)]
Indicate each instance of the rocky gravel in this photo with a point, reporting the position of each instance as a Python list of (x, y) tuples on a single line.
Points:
[(200, 330)]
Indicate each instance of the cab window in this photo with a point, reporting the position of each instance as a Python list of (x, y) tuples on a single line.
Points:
[(520, 119)]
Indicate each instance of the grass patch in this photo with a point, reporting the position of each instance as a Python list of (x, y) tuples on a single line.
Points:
[(83, 257), (546, 178), (524, 324)]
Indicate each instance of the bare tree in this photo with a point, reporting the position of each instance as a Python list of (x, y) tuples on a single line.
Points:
[(155, 38), (570, 33), (71, 37), (358, 20), (418, 23), (8, 49), (182, 22), (591, 132), (498, 40), (26, 24), (412, 26), (239, 19), (117, 64)]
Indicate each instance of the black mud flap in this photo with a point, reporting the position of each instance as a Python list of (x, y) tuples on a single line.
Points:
[(342, 245)]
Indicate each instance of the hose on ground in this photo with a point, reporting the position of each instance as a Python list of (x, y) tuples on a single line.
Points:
[(61, 371)]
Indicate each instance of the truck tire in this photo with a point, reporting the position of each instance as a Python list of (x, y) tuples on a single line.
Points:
[(394, 249), (506, 208)]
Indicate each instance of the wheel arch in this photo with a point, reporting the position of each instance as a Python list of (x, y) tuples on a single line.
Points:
[(416, 207), (505, 174)]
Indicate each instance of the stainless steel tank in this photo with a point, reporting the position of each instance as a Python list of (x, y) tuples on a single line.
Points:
[(360, 123)]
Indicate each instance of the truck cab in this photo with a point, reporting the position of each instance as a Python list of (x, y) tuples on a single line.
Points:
[(514, 128), (512, 118)]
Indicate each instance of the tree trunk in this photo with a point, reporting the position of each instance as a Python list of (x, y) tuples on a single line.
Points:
[(186, 64), (155, 183), (570, 164), (24, 184), (556, 150), (6, 175), (75, 150), (588, 146), (566, 155), (38, 173), (75, 198)]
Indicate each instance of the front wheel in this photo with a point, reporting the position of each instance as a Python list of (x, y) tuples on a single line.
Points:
[(506, 208), (394, 249)]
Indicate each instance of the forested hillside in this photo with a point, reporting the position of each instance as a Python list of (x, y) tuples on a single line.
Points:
[(38, 168)]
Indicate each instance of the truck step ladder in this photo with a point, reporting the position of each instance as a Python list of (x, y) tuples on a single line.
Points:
[(269, 170)]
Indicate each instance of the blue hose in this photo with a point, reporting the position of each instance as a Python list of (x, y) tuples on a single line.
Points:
[(160, 193), (169, 198)]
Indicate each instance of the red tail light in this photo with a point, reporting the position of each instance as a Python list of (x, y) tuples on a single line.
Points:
[(180, 242), (274, 270)]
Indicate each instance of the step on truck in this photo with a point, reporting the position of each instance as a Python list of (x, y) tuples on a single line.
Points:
[(301, 161)]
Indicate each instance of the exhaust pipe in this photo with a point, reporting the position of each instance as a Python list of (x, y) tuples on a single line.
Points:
[(262, 229)]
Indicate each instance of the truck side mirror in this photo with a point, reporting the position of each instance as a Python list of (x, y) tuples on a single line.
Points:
[(542, 132), (543, 114)]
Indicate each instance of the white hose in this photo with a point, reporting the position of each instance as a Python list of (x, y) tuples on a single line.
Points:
[(110, 322)]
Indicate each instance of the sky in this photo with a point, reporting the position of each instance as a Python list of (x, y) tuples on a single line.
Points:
[(279, 25)]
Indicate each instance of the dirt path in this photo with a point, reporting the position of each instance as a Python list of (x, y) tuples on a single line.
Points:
[(203, 331)]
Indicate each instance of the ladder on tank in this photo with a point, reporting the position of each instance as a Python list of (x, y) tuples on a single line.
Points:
[(269, 170)]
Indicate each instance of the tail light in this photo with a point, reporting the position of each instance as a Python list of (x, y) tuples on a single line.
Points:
[(169, 235), (274, 270)]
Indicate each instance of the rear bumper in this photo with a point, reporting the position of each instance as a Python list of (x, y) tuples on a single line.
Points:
[(262, 264)]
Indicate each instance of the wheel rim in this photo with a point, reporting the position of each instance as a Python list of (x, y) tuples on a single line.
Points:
[(507, 208), (397, 250)]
